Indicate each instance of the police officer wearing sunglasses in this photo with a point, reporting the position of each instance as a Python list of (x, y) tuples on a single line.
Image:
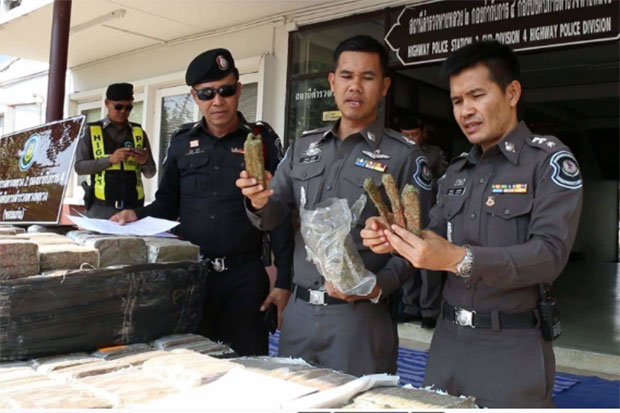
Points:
[(198, 187), (115, 153)]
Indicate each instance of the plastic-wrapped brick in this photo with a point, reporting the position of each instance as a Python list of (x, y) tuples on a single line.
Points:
[(66, 256), (113, 250), (18, 258), (160, 250)]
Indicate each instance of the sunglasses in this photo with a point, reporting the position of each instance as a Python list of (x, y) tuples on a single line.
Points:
[(209, 93), (120, 106)]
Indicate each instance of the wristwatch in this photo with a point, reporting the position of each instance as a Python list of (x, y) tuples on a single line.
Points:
[(463, 268)]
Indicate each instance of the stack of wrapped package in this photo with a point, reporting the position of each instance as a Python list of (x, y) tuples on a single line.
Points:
[(60, 293), (150, 375)]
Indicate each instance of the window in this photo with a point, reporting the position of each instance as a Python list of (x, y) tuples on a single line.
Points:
[(247, 102), (27, 116), (310, 102), (175, 111)]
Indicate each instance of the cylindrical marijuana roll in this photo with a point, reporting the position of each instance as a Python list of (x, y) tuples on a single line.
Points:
[(392, 192), (377, 199), (412, 208), (254, 159)]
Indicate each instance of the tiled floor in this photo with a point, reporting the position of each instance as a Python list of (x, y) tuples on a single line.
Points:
[(589, 297)]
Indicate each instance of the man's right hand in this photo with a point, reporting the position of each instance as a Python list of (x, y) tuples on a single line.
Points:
[(124, 217), (120, 155), (257, 194), (373, 236)]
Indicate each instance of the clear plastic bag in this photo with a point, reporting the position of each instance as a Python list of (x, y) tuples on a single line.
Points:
[(329, 245)]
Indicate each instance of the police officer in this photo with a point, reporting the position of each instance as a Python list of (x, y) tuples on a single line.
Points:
[(354, 334), (115, 153), (198, 188), (505, 222), (421, 295), (415, 129)]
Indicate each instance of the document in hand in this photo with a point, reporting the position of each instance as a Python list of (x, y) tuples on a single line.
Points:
[(145, 227)]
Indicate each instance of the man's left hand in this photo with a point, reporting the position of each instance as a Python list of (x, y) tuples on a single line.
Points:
[(279, 297), (333, 291)]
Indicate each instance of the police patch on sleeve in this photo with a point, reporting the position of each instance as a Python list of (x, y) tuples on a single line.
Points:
[(422, 175), (565, 170)]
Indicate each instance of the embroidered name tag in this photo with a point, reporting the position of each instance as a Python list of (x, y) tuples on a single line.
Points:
[(309, 159), (237, 150), (456, 191), (509, 189), (368, 164), (194, 151)]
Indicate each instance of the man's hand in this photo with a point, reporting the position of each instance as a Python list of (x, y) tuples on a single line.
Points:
[(430, 251), (279, 297), (373, 236), (257, 194), (120, 155), (124, 217), (333, 291), (141, 155)]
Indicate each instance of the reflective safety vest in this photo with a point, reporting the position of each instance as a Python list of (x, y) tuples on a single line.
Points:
[(116, 172)]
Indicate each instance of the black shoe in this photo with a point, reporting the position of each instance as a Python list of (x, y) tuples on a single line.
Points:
[(407, 318), (428, 322)]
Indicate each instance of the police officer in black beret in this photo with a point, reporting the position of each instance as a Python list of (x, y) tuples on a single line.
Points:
[(115, 153), (198, 187)]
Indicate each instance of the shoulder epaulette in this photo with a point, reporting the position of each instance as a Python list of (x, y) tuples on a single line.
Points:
[(547, 143), (135, 124), (460, 157), (314, 131), (184, 128), (399, 136)]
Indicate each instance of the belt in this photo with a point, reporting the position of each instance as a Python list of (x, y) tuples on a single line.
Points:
[(221, 264), (118, 204), (316, 297), (494, 320)]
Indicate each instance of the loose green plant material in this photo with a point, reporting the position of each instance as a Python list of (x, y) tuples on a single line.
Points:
[(392, 192), (411, 204), (377, 199), (254, 158)]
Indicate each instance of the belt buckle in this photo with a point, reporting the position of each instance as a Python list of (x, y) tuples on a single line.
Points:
[(463, 317), (317, 297), (119, 204), (219, 264)]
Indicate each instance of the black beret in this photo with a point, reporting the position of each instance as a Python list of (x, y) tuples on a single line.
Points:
[(119, 91), (211, 65), (411, 122)]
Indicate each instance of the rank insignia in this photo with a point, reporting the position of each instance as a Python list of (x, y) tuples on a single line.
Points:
[(312, 150), (194, 144), (371, 136), (376, 154), (490, 201), (368, 164), (509, 189), (510, 147), (237, 150), (565, 170)]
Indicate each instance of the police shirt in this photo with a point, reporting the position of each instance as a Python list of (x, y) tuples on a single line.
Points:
[(328, 167), (85, 162), (198, 187), (517, 205)]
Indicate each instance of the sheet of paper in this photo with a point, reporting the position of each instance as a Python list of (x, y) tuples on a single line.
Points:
[(148, 226), (237, 389)]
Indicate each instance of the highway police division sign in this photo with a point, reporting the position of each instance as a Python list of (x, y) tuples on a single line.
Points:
[(430, 31), (35, 165)]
